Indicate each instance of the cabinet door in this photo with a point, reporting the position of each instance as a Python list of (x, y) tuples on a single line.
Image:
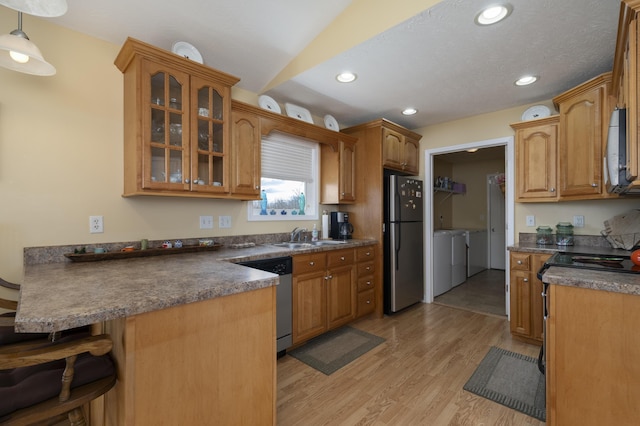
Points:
[(411, 156), (580, 150), (209, 153), (245, 159), (341, 303), (537, 323), (165, 128), (392, 149), (347, 178), (520, 294), (309, 305), (536, 163)]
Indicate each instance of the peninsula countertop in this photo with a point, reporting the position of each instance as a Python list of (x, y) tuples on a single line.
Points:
[(63, 295)]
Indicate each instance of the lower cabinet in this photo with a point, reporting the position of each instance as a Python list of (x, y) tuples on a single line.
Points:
[(365, 258), (592, 368), (525, 296), (324, 292)]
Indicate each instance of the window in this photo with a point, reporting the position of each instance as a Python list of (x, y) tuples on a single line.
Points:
[(289, 180)]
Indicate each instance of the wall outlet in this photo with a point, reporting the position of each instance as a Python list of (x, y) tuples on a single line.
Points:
[(206, 222), (531, 221), (224, 222), (96, 224), (578, 221)]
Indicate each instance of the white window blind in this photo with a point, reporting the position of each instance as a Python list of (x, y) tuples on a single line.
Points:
[(287, 158)]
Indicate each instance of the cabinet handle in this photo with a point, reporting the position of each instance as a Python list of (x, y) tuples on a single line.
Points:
[(368, 268), (328, 277), (368, 302), (594, 185), (553, 190), (342, 193), (257, 186), (368, 253), (519, 262), (526, 280), (342, 258), (312, 263), (368, 282), (187, 181)]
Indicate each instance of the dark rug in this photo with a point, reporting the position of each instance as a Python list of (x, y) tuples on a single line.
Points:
[(333, 350), (512, 380)]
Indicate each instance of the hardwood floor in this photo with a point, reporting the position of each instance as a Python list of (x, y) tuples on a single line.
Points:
[(483, 293), (414, 378)]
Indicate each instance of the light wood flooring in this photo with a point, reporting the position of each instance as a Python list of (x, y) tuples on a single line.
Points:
[(482, 292), (414, 378)]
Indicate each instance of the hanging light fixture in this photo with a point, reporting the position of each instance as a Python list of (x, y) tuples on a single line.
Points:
[(44, 8), (18, 53)]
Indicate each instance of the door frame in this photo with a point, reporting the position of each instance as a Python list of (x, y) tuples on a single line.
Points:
[(509, 145)]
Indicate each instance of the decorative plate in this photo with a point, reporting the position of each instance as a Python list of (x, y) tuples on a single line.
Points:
[(331, 123), (187, 50), (298, 112), (536, 111), (268, 103)]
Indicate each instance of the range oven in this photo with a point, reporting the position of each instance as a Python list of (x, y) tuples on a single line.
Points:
[(596, 262)]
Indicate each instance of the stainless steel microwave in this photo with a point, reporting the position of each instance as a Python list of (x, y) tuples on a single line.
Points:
[(615, 161)]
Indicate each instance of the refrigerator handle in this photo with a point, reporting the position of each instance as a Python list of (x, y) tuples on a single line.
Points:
[(398, 236), (398, 240)]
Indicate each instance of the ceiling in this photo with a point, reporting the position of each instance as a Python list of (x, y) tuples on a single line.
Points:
[(435, 59)]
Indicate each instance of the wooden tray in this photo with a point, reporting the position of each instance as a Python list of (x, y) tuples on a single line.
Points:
[(92, 257)]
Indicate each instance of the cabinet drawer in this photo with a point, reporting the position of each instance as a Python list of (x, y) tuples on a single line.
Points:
[(305, 263), (339, 258), (365, 253), (366, 302), (365, 283), (520, 261), (366, 268)]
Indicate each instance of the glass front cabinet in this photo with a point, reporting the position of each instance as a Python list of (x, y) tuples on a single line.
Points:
[(177, 118)]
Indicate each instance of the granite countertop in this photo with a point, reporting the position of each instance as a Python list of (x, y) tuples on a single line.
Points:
[(62, 295)]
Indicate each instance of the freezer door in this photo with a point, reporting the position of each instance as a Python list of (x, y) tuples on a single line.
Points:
[(406, 264), (405, 199)]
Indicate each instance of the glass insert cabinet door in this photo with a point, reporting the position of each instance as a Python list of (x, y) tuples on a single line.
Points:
[(209, 155), (166, 129)]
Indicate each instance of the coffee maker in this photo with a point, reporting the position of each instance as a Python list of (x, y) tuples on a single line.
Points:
[(340, 228)]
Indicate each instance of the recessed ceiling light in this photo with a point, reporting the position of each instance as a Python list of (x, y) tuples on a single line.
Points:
[(493, 14), (472, 150), (346, 77), (409, 111), (526, 80)]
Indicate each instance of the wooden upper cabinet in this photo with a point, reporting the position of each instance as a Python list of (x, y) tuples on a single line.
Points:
[(245, 158), (176, 124), (584, 120), (338, 173), (400, 150), (535, 153)]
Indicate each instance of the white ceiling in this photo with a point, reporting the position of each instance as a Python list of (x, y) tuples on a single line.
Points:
[(438, 61)]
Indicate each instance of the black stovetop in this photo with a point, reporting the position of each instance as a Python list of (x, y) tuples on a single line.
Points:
[(610, 263)]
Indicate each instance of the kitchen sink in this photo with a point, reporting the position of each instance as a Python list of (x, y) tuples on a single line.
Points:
[(309, 244)]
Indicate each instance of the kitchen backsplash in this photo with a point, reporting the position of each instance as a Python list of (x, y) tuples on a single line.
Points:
[(578, 240)]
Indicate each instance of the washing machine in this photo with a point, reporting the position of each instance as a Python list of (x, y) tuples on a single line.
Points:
[(458, 257), (441, 262)]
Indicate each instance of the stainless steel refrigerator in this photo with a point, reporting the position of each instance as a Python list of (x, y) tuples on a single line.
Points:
[(403, 237)]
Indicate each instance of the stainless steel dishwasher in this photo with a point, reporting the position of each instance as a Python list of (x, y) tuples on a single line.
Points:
[(284, 303)]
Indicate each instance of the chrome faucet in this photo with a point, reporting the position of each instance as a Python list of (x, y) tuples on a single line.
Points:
[(296, 233)]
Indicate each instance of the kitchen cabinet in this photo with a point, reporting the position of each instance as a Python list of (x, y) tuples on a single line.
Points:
[(176, 124), (217, 357), (367, 212), (245, 150), (337, 173), (592, 369), (337, 152), (584, 120), (400, 149), (626, 84), (365, 273), (536, 163), (324, 292), (525, 296)]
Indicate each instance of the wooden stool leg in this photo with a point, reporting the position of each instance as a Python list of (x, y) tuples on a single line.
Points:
[(76, 418)]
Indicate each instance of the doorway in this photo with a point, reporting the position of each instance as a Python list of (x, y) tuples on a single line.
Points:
[(508, 144)]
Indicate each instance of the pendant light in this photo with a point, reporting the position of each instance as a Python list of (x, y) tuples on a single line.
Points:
[(44, 8), (18, 53)]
